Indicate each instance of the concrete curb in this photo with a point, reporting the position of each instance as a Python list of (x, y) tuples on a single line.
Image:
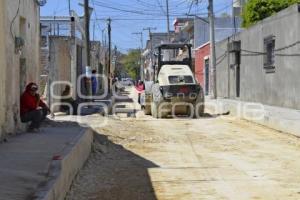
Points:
[(281, 119), (64, 167)]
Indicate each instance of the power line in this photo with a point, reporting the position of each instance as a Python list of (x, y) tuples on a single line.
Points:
[(131, 19), (13, 21), (161, 6), (137, 12), (192, 3)]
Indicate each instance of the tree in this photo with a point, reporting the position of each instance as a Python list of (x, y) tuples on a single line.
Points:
[(256, 10), (131, 62)]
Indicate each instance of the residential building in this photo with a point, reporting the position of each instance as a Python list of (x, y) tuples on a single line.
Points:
[(19, 58), (224, 28), (202, 69), (261, 63), (184, 30), (63, 55)]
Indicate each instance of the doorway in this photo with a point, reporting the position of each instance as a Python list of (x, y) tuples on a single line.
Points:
[(206, 76), (238, 81), (80, 70), (238, 73)]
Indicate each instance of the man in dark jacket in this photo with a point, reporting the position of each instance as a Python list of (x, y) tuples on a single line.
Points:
[(94, 82), (33, 109), (68, 102)]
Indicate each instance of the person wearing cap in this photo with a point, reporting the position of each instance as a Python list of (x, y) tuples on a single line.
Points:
[(33, 109)]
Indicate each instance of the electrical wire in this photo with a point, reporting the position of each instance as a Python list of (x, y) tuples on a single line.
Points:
[(13, 21), (161, 7), (192, 3), (288, 46), (275, 50), (138, 12)]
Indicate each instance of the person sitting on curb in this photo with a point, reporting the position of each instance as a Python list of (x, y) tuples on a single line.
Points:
[(67, 99), (33, 109)]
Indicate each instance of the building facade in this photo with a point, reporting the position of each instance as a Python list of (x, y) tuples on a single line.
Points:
[(224, 28), (63, 56), (202, 69), (19, 53), (261, 64)]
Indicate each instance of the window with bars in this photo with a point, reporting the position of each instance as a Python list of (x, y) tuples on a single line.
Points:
[(269, 49)]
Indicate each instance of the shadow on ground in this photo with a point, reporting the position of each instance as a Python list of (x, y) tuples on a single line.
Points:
[(25, 158), (112, 172)]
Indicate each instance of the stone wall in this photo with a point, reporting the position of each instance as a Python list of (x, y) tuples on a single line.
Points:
[(60, 49)]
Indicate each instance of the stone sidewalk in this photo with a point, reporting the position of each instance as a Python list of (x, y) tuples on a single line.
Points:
[(26, 159)]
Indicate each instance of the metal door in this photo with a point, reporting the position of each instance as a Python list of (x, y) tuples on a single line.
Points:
[(206, 76)]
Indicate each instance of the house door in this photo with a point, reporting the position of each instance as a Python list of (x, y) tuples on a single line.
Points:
[(206, 76), (79, 68), (238, 81), (238, 73)]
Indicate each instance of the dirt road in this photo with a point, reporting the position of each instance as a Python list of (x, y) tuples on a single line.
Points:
[(208, 158)]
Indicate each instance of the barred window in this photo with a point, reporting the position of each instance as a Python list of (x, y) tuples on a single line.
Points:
[(269, 49)]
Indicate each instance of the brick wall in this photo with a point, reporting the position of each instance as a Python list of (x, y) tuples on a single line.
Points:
[(200, 55)]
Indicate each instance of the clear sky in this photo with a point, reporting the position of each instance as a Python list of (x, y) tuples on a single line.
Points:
[(133, 15)]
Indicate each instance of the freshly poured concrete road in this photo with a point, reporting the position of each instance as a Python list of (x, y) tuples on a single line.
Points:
[(209, 158), (172, 159)]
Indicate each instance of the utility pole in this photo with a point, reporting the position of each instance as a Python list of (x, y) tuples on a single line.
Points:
[(109, 54), (151, 44), (69, 3), (87, 30), (115, 59), (212, 48), (94, 30), (87, 46), (168, 20), (141, 52), (150, 35)]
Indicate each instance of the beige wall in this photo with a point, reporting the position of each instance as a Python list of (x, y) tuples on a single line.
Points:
[(28, 16), (60, 63)]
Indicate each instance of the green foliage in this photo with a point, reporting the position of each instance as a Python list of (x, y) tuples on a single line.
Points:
[(256, 10), (131, 62)]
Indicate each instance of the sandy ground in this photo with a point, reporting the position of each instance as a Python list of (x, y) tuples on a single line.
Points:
[(208, 158)]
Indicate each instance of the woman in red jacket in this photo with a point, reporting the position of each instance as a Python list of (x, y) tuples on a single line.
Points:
[(33, 109)]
